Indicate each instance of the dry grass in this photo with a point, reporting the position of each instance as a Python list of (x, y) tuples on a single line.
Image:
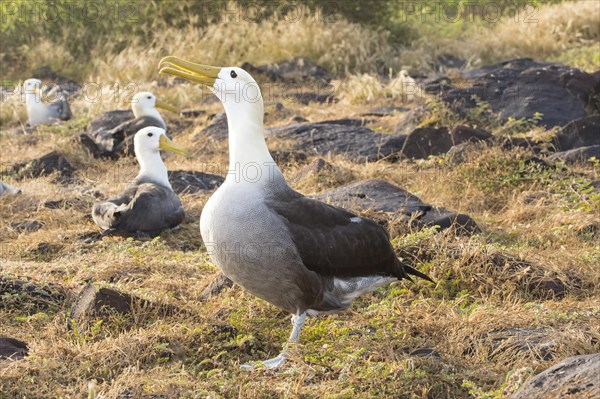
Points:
[(483, 287), (540, 227), (365, 88), (552, 32)]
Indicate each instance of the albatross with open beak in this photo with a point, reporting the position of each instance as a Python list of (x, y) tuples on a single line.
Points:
[(149, 204), (297, 253)]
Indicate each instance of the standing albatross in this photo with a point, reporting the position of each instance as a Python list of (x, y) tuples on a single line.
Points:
[(297, 253), (40, 113), (149, 204)]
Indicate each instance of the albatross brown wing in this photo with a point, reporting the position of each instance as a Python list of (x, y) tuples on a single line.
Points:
[(145, 207), (60, 108), (106, 214), (334, 242)]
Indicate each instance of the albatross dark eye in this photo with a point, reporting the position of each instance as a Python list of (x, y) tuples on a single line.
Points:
[(149, 97), (149, 134), (233, 74)]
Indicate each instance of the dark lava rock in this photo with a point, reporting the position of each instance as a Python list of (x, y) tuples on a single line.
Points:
[(381, 196), (95, 302), (46, 165), (539, 342), (462, 133), (215, 287), (445, 219), (508, 143), (341, 138), (27, 225), (385, 111), (298, 119), (582, 132), (576, 377), (217, 129), (347, 121), (31, 293), (12, 349), (436, 85), (522, 87), (534, 279), (576, 155), (186, 182), (88, 143), (427, 141), (110, 120), (458, 153), (296, 70)]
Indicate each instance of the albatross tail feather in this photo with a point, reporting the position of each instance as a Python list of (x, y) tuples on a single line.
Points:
[(415, 272)]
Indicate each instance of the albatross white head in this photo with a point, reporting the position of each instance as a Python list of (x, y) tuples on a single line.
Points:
[(32, 86), (145, 103), (243, 103), (147, 145)]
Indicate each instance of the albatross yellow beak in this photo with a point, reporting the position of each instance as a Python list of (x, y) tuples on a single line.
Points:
[(167, 145), (157, 104), (203, 74), (168, 107)]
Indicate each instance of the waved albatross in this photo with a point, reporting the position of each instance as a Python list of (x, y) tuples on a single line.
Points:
[(120, 138), (40, 113), (297, 253), (149, 204)]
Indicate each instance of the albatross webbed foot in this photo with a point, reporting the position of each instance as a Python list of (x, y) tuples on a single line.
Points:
[(269, 364), (273, 363)]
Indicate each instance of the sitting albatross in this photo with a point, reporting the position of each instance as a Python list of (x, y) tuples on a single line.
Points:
[(119, 138), (40, 113), (149, 204), (297, 253)]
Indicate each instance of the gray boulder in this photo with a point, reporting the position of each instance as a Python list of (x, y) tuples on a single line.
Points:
[(426, 141), (381, 196), (519, 88), (576, 155), (188, 182), (342, 137), (576, 377), (12, 349), (582, 132)]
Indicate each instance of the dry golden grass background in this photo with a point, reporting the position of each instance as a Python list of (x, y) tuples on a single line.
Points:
[(548, 217)]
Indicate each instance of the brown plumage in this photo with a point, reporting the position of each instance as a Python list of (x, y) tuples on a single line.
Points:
[(143, 207)]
